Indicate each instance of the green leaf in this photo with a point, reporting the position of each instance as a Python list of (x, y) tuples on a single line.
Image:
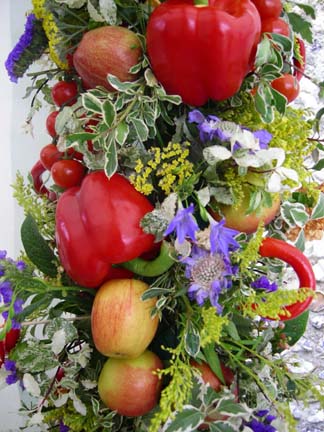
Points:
[(301, 26), (91, 103), (309, 10), (57, 324), (111, 160), (192, 340), (280, 101), (154, 292), (300, 241), (232, 330), (79, 137), (140, 128), (221, 426), (108, 112), (230, 406), (37, 249), (187, 420), (283, 41), (263, 103), (319, 165), (294, 214), (264, 52), (318, 210), (126, 86), (213, 361), (121, 133)]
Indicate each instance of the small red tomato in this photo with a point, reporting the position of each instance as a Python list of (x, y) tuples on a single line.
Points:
[(50, 123), (276, 25), (268, 8), (49, 155), (11, 339), (67, 173), (64, 93), (73, 154), (287, 85)]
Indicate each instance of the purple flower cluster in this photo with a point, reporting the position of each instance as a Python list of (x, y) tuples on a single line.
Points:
[(29, 48), (264, 284), (209, 130), (10, 366), (6, 289), (263, 422), (209, 272), (23, 43), (63, 427)]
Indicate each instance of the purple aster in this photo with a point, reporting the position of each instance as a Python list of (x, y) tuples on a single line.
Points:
[(222, 239), (10, 365), (63, 427), (20, 265), (184, 224), (12, 378), (264, 283), (262, 425), (3, 254), (6, 291), (209, 276), (264, 138), (18, 305)]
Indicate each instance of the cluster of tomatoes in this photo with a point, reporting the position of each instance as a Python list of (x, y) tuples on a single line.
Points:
[(271, 22), (66, 168)]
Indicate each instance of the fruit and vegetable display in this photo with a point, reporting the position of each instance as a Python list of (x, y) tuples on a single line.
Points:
[(158, 287)]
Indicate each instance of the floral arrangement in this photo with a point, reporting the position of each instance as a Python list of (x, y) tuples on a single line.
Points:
[(152, 292)]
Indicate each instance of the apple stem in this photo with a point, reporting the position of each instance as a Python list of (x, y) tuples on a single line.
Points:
[(47, 321)]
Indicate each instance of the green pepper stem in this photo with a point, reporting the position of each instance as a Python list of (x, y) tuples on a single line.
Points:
[(201, 2), (163, 262)]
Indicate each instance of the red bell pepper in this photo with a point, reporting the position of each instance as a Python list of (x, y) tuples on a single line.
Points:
[(275, 248), (203, 52), (98, 224)]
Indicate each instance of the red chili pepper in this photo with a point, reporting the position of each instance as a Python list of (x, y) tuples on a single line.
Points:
[(203, 52), (299, 66), (98, 224), (36, 173), (275, 248)]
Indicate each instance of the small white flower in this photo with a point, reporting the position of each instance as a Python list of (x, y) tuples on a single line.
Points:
[(31, 385)]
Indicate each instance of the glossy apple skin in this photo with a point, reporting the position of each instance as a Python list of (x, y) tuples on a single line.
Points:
[(236, 217), (107, 50), (129, 386), (209, 377), (121, 322)]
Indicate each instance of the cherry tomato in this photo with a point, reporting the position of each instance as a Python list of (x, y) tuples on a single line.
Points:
[(36, 173), (276, 25), (67, 173), (287, 85), (268, 8), (50, 123), (64, 93), (73, 154), (49, 155)]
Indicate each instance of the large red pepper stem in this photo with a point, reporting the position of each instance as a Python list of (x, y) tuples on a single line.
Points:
[(275, 248), (201, 2)]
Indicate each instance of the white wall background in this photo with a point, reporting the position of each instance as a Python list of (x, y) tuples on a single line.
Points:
[(19, 151)]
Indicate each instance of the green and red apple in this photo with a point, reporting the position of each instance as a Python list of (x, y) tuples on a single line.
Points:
[(107, 50), (130, 386), (121, 321)]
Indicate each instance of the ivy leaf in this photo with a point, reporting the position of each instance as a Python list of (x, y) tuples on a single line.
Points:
[(192, 340), (318, 210), (91, 103), (37, 249), (111, 162), (187, 420), (301, 26), (122, 131), (140, 128), (108, 112)]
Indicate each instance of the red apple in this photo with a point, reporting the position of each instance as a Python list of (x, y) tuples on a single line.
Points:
[(121, 321), (130, 386), (236, 217), (107, 50), (209, 377)]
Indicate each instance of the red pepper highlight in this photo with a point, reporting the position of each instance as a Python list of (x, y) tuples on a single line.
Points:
[(98, 224), (275, 248), (203, 52)]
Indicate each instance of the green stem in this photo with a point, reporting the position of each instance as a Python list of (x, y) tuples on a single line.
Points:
[(163, 262), (201, 2)]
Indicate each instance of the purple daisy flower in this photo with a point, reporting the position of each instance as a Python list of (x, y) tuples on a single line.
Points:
[(222, 239), (264, 283), (183, 224), (209, 276)]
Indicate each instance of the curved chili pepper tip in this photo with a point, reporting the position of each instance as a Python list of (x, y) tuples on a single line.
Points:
[(276, 248)]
